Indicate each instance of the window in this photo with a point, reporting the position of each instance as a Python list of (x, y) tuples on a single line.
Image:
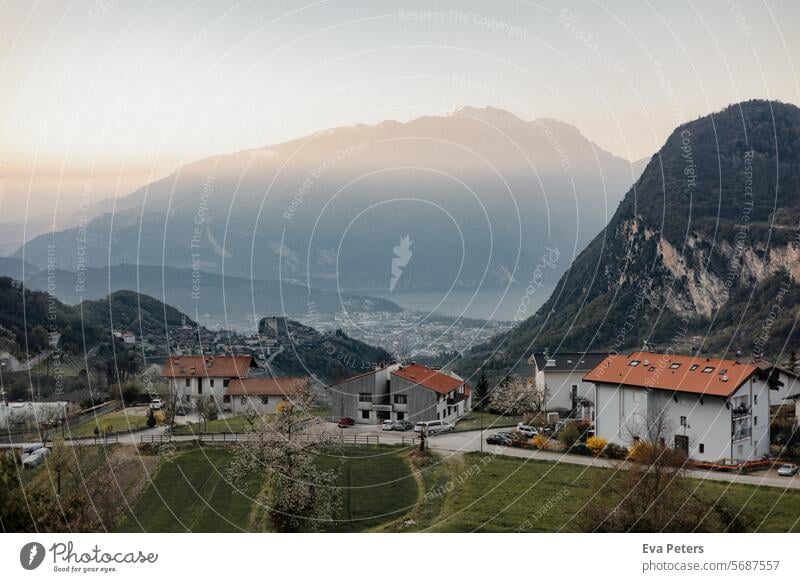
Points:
[(401, 416), (188, 382), (693, 368), (634, 363), (702, 448), (708, 369), (265, 400), (365, 397), (401, 399), (755, 421), (675, 366), (723, 371), (199, 385), (683, 421), (226, 399), (243, 400), (225, 383), (211, 382), (365, 414), (755, 398)]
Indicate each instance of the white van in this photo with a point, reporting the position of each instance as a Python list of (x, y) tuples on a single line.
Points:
[(434, 426)]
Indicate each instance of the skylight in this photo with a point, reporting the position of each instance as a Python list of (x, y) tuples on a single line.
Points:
[(675, 366), (708, 369), (634, 363)]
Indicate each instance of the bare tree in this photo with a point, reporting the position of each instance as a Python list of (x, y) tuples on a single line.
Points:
[(651, 493), (300, 496), (206, 410)]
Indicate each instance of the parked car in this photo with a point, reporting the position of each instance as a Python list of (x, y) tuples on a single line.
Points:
[(403, 425), (346, 421), (35, 458), (434, 427), (788, 470), (528, 430), (499, 438), (156, 404), (387, 425)]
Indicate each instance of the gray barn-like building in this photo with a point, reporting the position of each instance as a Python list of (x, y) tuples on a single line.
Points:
[(412, 392)]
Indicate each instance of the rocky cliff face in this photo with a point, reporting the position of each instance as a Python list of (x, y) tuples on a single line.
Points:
[(703, 253)]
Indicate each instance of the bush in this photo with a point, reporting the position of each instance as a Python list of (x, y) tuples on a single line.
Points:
[(151, 418), (569, 435), (541, 441), (615, 451), (597, 445), (580, 449)]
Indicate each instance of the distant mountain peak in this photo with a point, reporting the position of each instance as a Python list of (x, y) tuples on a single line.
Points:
[(487, 114)]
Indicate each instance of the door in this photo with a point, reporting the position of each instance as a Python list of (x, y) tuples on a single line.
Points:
[(682, 443)]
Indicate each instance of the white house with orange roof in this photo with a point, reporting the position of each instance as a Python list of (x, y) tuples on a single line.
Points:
[(714, 409), (194, 377)]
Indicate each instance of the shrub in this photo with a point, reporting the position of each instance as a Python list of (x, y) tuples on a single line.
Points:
[(615, 451), (569, 435), (151, 418), (597, 445), (580, 449), (540, 441)]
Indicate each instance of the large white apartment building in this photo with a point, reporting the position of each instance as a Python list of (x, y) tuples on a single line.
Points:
[(715, 409)]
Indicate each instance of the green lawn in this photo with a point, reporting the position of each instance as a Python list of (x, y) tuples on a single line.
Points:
[(191, 493), (502, 494), (376, 486), (472, 421), (119, 421), (233, 424)]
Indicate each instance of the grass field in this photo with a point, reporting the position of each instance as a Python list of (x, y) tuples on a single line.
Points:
[(501, 494), (376, 486), (119, 421), (233, 424), (386, 489), (472, 421), (192, 493)]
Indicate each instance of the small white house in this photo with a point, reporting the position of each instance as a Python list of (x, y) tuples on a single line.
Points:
[(561, 375), (714, 409), (261, 394)]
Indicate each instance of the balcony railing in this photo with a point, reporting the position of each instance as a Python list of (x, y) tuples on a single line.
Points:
[(455, 399), (743, 433), (741, 410)]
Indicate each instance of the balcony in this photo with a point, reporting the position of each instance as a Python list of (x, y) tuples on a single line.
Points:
[(455, 399), (742, 434), (740, 411)]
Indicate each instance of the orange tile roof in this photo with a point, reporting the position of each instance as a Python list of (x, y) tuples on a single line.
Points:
[(208, 366), (264, 386), (428, 378), (674, 373)]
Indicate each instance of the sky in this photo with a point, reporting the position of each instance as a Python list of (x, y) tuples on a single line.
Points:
[(123, 92)]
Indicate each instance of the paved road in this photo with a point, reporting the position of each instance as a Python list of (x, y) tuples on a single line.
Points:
[(470, 441)]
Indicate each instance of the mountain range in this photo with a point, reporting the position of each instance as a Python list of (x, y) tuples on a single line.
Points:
[(478, 194), (702, 255)]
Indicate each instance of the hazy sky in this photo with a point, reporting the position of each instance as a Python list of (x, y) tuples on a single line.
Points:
[(128, 90)]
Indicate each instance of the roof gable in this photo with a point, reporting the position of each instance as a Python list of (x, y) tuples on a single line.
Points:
[(429, 378)]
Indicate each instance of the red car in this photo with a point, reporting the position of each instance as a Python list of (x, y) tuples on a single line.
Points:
[(346, 421)]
